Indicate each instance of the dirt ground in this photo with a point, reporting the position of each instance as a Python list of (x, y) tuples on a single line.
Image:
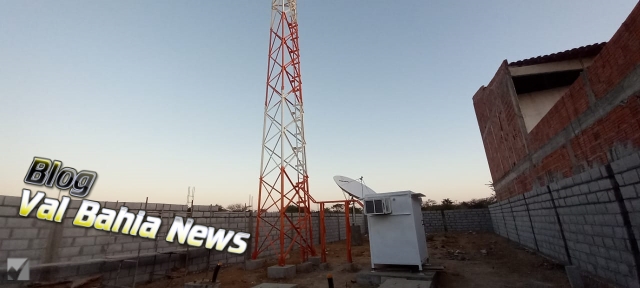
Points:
[(503, 265), (234, 276)]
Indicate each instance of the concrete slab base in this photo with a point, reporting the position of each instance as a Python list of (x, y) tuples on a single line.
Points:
[(315, 260), (202, 284), (324, 266), (374, 278), (279, 272), (404, 283), (275, 285), (575, 279), (253, 264), (304, 267)]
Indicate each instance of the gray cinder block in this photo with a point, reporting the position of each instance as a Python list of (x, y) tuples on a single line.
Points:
[(279, 272), (254, 264), (9, 211), (11, 201), (14, 245)]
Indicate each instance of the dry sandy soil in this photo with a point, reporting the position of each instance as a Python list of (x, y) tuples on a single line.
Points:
[(503, 265)]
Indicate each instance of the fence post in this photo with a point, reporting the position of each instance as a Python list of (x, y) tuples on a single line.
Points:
[(249, 227), (504, 221), (633, 243), (533, 232), (444, 221), (515, 224), (564, 239), (338, 220)]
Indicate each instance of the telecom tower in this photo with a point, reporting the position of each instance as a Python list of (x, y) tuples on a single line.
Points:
[(283, 168)]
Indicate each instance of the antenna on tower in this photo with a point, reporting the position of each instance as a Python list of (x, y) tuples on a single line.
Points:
[(191, 191), (250, 203)]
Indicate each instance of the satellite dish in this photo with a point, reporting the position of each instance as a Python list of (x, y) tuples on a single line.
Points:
[(353, 187)]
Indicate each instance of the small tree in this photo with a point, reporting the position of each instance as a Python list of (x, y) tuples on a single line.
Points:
[(292, 209), (352, 209), (337, 208), (493, 189), (236, 207), (429, 204), (447, 204)]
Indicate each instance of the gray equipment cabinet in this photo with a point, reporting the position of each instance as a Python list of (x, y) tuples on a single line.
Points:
[(396, 233)]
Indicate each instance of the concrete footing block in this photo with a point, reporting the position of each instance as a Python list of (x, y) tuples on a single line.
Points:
[(315, 260), (275, 285), (253, 264), (324, 266), (304, 267), (279, 272), (202, 284), (575, 279)]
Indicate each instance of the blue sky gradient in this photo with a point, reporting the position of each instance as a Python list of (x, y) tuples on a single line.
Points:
[(157, 96)]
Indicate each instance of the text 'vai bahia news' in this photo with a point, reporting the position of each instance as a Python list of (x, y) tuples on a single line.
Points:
[(91, 215)]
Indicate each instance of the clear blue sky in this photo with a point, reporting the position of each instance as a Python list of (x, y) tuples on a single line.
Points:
[(157, 96)]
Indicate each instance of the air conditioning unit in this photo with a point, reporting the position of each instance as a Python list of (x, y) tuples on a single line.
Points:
[(377, 206)]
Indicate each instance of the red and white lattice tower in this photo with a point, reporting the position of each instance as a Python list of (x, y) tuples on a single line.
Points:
[(283, 168)]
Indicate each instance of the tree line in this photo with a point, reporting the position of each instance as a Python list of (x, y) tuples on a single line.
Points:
[(448, 204), (291, 209), (427, 205)]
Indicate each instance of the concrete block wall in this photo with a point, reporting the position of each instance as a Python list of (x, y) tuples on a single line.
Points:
[(334, 226), (509, 222), (78, 244), (21, 237), (546, 227), (498, 226), (522, 221), (150, 267), (590, 220), (61, 250), (433, 221), (436, 221), (627, 178), (468, 220)]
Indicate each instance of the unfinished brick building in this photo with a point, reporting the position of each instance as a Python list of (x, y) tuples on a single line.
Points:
[(554, 116), (562, 138)]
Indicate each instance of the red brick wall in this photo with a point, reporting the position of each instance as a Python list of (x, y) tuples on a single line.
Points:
[(499, 124), (619, 126), (618, 57), (573, 103), (502, 134)]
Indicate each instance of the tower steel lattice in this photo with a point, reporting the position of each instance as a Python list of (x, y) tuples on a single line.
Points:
[(283, 168)]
